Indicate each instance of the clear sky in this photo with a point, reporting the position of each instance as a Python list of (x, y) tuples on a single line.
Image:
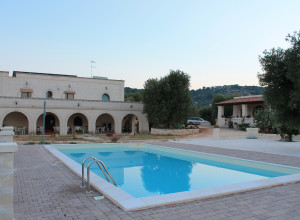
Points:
[(216, 42)]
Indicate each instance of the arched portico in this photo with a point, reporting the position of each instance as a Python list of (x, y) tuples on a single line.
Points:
[(18, 120), (52, 124), (130, 123), (76, 122), (105, 123)]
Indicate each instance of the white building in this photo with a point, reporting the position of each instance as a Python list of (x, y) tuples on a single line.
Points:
[(244, 108), (72, 103)]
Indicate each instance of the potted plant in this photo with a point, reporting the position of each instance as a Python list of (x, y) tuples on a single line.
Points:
[(78, 131)]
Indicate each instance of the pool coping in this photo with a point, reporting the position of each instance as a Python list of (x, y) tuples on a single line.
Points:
[(129, 203)]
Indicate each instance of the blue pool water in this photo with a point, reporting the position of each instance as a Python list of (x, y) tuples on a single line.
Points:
[(145, 171)]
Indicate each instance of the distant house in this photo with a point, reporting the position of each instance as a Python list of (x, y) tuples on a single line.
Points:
[(72, 104), (244, 108)]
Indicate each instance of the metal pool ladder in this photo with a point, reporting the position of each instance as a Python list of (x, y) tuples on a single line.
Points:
[(101, 166)]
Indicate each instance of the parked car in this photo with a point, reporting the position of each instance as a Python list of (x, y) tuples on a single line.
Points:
[(196, 121)]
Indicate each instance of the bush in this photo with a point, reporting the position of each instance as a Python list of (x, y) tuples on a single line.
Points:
[(244, 126), (29, 143), (265, 120), (287, 133), (41, 142), (78, 131), (205, 113)]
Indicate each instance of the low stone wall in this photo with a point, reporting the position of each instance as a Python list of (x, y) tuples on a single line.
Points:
[(6, 134), (156, 131)]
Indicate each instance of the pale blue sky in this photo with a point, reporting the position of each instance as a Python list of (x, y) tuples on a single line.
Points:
[(215, 42)]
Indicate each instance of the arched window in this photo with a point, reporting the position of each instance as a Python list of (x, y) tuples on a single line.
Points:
[(105, 97), (49, 95), (77, 121)]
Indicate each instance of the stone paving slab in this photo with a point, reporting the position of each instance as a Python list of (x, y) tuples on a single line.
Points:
[(47, 189), (260, 145)]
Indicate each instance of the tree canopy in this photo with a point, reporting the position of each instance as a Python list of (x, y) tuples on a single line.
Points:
[(167, 101), (227, 109), (281, 78), (134, 97)]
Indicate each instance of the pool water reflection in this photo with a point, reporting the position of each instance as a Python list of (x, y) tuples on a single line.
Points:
[(144, 173)]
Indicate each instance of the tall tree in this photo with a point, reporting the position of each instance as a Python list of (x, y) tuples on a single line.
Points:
[(214, 110), (205, 113), (227, 109), (167, 101), (281, 77)]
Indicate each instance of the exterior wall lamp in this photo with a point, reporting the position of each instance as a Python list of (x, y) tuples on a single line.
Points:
[(16, 102), (78, 104)]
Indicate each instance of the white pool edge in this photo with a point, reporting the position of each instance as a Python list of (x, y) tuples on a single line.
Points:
[(129, 203)]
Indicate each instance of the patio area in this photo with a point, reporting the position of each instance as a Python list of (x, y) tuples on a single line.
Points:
[(46, 189)]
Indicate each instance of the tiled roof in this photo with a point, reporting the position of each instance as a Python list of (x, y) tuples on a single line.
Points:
[(241, 101)]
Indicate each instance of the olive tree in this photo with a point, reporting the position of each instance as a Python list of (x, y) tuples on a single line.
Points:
[(167, 101), (281, 79)]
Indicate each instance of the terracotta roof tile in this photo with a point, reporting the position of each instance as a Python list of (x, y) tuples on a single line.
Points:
[(241, 101)]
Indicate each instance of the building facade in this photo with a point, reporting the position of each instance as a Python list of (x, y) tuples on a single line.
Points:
[(73, 104), (244, 108)]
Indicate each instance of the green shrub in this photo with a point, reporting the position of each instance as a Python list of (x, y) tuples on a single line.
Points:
[(41, 142), (29, 143), (244, 126), (265, 120)]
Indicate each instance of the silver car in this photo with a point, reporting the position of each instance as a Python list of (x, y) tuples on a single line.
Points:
[(196, 121)]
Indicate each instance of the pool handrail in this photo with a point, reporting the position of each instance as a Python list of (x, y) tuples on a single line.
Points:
[(94, 159), (88, 173), (82, 168)]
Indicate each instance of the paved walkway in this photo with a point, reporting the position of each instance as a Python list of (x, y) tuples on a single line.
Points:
[(47, 189), (260, 145)]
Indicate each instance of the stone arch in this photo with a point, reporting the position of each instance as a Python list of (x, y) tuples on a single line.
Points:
[(52, 123), (18, 120), (77, 121), (105, 123), (130, 123)]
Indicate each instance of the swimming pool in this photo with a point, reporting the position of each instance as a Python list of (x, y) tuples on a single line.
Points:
[(149, 175)]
